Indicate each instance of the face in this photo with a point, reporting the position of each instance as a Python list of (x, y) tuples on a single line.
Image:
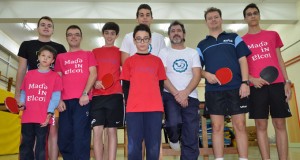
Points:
[(45, 58), (74, 37), (142, 41), (144, 17), (45, 28), (110, 36), (252, 16), (213, 20), (176, 35)]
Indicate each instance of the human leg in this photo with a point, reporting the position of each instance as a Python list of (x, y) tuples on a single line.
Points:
[(134, 124), (239, 125), (98, 142), (262, 137), (281, 137), (81, 130), (112, 143), (218, 135), (41, 142), (52, 140), (173, 117), (152, 134), (65, 131), (190, 130), (27, 142)]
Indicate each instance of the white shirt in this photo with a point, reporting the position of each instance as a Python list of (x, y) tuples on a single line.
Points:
[(179, 65)]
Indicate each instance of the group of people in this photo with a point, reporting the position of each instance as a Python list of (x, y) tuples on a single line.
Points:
[(154, 80)]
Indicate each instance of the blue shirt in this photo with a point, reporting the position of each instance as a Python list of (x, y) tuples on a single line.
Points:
[(223, 51)]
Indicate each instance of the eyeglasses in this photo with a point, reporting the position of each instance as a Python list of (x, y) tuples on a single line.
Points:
[(252, 14), (140, 40), (76, 35)]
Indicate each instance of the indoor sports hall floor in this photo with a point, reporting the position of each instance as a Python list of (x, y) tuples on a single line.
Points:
[(294, 154)]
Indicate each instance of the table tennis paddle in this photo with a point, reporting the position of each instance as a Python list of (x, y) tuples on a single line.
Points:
[(11, 105), (107, 80), (224, 75), (269, 74)]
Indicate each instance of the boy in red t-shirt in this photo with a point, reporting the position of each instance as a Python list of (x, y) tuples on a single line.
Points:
[(143, 76), (40, 95), (107, 110)]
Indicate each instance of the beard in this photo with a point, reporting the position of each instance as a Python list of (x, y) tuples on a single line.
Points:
[(177, 40)]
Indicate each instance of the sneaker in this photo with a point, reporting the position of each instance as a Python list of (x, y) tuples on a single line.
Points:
[(175, 146)]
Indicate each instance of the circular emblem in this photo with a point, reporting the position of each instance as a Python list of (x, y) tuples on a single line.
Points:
[(180, 65)]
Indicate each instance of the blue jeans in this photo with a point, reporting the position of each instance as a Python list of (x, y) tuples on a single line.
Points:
[(183, 124), (144, 126), (74, 131), (31, 133)]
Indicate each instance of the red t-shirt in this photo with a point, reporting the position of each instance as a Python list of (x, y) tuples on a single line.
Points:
[(263, 52), (144, 73), (39, 88), (108, 61), (74, 67)]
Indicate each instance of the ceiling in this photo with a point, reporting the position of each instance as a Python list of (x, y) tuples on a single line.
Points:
[(87, 14)]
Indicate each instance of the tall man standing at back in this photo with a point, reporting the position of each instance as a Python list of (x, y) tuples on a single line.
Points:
[(267, 97), (28, 61), (220, 49), (181, 104), (143, 16)]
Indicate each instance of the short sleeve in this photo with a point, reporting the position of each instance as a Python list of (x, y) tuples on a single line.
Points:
[(279, 43), (161, 71), (57, 66)]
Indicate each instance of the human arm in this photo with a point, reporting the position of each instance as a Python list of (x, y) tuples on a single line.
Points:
[(21, 71), (244, 88), (210, 78), (84, 99), (124, 56), (125, 87), (22, 99), (182, 96), (287, 85)]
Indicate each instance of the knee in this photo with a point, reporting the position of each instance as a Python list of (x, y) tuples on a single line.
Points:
[(218, 128), (239, 127), (279, 126)]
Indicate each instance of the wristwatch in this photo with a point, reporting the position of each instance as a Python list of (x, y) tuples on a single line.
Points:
[(84, 93), (288, 81), (246, 82)]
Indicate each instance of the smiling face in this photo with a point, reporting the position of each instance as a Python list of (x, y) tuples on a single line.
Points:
[(74, 37), (110, 36), (214, 20), (176, 34), (252, 16)]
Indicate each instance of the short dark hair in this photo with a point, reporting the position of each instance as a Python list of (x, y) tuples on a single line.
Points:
[(175, 23), (73, 27), (251, 5), (212, 9), (141, 27), (47, 18), (111, 26), (143, 6), (48, 48)]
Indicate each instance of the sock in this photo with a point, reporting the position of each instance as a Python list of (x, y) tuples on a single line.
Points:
[(219, 158), (243, 158)]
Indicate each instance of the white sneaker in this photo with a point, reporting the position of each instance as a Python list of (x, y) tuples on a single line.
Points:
[(175, 146)]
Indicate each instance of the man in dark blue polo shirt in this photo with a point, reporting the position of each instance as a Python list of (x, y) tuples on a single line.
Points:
[(220, 49)]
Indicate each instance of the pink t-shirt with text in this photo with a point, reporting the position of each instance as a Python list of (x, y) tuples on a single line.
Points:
[(263, 47), (74, 67), (39, 88)]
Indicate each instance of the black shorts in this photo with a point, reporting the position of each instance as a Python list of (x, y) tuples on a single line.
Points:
[(268, 99), (107, 110), (225, 103)]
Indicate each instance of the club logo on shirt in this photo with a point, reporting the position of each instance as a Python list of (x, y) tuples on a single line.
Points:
[(227, 41), (180, 65)]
